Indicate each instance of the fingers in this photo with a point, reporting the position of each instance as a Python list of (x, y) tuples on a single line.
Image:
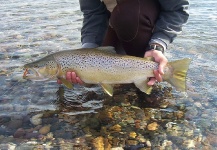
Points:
[(157, 76), (79, 80), (162, 63), (151, 81), (162, 60), (71, 77)]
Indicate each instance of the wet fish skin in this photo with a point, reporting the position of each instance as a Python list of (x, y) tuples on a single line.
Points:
[(103, 66)]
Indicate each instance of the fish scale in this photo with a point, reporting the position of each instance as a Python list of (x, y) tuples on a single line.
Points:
[(107, 62)]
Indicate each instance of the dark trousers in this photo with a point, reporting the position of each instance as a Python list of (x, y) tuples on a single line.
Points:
[(131, 26)]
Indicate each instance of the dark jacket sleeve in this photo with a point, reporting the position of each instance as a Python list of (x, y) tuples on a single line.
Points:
[(173, 15), (95, 22)]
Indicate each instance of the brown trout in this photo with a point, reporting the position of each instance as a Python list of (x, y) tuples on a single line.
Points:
[(104, 67)]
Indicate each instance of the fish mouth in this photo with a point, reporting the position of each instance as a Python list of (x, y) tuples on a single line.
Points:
[(29, 73), (33, 74)]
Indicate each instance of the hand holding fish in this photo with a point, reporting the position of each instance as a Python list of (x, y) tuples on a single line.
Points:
[(162, 60), (72, 77)]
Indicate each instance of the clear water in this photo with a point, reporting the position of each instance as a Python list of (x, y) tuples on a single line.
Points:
[(32, 29)]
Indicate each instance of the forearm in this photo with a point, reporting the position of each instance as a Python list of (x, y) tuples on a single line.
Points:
[(173, 15), (95, 22)]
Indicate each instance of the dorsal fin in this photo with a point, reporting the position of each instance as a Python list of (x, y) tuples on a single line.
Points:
[(110, 49)]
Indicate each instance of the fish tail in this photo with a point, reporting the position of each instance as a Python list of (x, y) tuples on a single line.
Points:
[(179, 73)]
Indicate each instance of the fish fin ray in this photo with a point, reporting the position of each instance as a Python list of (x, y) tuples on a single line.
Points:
[(143, 86), (107, 88), (66, 82), (178, 78)]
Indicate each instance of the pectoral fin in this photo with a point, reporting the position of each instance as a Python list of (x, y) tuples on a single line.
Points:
[(107, 89), (142, 85), (66, 82)]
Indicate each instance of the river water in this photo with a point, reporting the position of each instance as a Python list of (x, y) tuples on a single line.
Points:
[(45, 115)]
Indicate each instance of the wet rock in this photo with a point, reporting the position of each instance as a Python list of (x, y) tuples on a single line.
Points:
[(26, 120), (212, 138), (36, 119), (132, 142), (15, 124), (31, 135), (148, 143), (19, 133), (50, 135), (115, 128), (152, 126), (2, 131), (63, 134), (49, 120), (93, 123), (98, 143), (4, 119), (117, 148), (189, 144), (191, 113), (179, 114), (45, 129), (57, 126), (36, 128), (132, 135), (10, 146)]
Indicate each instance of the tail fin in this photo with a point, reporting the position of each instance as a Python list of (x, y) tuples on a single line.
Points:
[(178, 77)]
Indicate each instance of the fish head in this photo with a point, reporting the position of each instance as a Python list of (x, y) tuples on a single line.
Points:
[(40, 70)]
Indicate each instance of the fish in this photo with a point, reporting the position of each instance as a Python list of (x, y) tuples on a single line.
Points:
[(105, 67)]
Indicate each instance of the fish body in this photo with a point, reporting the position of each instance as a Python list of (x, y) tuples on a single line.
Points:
[(103, 66)]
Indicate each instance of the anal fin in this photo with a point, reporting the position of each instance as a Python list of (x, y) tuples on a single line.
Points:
[(107, 88), (142, 85)]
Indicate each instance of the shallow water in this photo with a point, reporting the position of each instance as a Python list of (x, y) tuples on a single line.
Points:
[(44, 115)]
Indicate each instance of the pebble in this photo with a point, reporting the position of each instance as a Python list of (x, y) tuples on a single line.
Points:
[(148, 143), (45, 129), (132, 135), (19, 133), (98, 143), (152, 126), (36, 119), (189, 144), (115, 128)]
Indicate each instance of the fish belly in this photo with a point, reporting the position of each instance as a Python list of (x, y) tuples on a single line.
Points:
[(118, 77)]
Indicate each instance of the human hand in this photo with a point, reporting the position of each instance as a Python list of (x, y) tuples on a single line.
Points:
[(162, 60), (71, 77)]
